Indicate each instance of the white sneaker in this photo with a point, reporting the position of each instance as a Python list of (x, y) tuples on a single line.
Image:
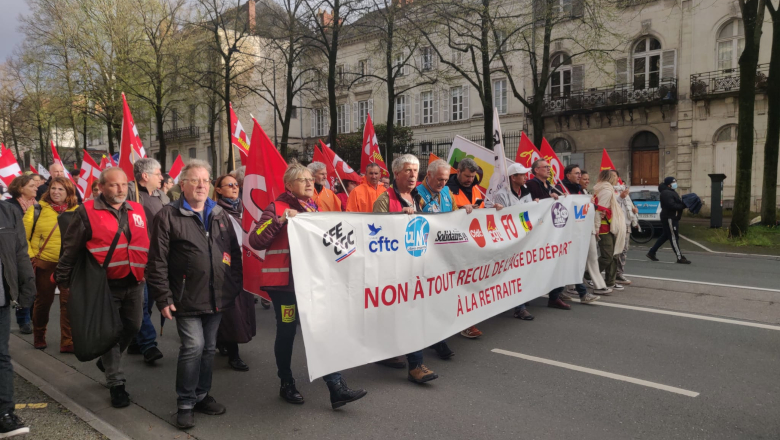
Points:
[(589, 298), (623, 280), (605, 291), (616, 287)]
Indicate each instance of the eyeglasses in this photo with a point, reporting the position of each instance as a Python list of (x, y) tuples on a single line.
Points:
[(198, 181), (304, 180), (548, 167), (229, 185)]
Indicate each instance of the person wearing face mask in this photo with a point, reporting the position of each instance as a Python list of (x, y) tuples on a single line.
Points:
[(672, 208), (238, 325)]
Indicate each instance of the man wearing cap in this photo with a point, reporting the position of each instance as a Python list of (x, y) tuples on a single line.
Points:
[(672, 208), (362, 198)]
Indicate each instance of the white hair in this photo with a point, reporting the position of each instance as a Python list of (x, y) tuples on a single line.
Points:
[(316, 166), (436, 165), (399, 162), (146, 165)]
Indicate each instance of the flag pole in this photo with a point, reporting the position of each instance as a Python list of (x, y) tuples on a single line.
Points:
[(135, 181)]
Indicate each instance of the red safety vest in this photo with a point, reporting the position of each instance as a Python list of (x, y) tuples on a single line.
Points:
[(127, 257), (276, 267), (395, 205)]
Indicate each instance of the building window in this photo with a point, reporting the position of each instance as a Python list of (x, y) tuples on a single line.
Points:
[(342, 118), (398, 63), (362, 68), (562, 149), (426, 58), (362, 113), (193, 153), (500, 96), (340, 79), (174, 155), (456, 104), (560, 80), (563, 7), (175, 118), (731, 42), (645, 141), (400, 111), (193, 113), (294, 112), (426, 103), (501, 38), (647, 63), (727, 134), (319, 122)]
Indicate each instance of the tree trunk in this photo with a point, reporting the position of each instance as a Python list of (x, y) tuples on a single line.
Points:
[(487, 85), (159, 122), (289, 84), (42, 142), (769, 193), (212, 136), (85, 132), (390, 120), (110, 129), (231, 159), (333, 50), (747, 97)]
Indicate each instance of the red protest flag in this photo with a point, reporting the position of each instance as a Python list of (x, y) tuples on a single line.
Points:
[(526, 152), (343, 170), (606, 163), (237, 135), (89, 171), (130, 146), (32, 168), (9, 167), (176, 168), (556, 170), (370, 152), (263, 183)]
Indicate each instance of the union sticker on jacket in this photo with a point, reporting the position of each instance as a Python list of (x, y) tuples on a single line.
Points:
[(226, 258)]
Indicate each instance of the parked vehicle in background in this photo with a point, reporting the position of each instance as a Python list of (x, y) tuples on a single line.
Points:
[(647, 200)]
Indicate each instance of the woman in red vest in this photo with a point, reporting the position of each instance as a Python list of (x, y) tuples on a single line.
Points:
[(270, 235)]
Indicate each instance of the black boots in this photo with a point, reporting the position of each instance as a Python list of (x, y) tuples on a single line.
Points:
[(289, 393), (341, 394)]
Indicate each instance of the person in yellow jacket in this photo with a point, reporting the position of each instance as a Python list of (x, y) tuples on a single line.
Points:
[(362, 198), (43, 243), (325, 199)]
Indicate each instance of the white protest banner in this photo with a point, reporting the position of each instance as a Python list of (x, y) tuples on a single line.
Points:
[(374, 286)]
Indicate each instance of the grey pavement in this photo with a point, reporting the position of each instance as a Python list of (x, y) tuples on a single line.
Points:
[(482, 394)]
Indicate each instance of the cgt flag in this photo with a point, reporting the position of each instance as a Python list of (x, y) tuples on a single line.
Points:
[(332, 177), (606, 163), (130, 146), (343, 170), (370, 152), (89, 172), (238, 136), (556, 170), (9, 167), (176, 168), (527, 153), (263, 183)]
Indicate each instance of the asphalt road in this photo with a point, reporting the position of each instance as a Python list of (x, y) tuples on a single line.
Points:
[(731, 368)]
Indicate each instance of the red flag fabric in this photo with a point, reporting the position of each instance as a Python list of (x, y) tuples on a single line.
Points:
[(526, 152), (176, 168), (606, 163), (9, 167), (320, 157), (56, 157), (130, 146), (344, 171), (238, 136), (432, 157), (263, 183), (105, 162), (556, 170), (370, 152), (32, 168), (89, 171)]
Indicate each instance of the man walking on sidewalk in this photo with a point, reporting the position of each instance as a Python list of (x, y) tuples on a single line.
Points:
[(112, 228), (672, 208), (16, 287), (195, 272)]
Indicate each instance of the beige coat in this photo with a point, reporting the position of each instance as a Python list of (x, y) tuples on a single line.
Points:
[(605, 194)]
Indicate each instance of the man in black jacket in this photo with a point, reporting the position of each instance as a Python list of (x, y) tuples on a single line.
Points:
[(672, 208), (194, 272), (17, 287)]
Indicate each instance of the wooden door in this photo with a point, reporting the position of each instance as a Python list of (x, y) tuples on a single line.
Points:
[(644, 167)]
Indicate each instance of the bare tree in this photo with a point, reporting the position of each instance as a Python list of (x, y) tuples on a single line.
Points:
[(772, 145), (753, 19), (13, 121)]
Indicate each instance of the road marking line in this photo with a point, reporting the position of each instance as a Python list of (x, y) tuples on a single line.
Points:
[(699, 244), (733, 286), (598, 373), (648, 261), (31, 405)]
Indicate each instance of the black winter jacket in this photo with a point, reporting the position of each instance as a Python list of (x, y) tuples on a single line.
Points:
[(17, 270), (196, 269), (672, 205)]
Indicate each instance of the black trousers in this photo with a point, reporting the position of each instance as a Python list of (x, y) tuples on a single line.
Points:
[(671, 233)]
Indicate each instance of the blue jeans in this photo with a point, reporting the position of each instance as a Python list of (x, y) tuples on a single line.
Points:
[(581, 289), (198, 335), (147, 336), (414, 359), (23, 316), (6, 369)]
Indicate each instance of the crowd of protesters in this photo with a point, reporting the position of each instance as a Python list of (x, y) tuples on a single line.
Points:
[(178, 246)]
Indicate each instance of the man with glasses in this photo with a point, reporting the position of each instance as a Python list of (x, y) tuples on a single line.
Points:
[(148, 176), (194, 273)]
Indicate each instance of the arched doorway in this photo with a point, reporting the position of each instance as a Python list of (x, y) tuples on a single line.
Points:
[(644, 159)]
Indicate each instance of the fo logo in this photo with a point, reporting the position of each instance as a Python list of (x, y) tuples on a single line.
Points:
[(416, 238), (475, 230), (581, 212), (343, 241), (560, 215)]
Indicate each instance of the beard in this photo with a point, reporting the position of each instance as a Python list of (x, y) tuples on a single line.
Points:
[(116, 200)]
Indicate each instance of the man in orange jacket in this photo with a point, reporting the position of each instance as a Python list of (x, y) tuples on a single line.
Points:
[(325, 199), (362, 198)]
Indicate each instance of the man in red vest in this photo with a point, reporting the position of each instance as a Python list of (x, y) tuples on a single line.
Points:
[(95, 227)]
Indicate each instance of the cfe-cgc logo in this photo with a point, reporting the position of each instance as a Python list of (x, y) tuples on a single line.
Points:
[(343, 240), (560, 215), (451, 236), (416, 238), (495, 235), (475, 230), (580, 212), (380, 243)]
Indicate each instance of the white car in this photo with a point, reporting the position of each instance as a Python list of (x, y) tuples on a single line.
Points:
[(647, 200)]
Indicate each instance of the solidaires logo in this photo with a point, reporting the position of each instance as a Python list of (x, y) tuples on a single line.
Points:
[(451, 236), (416, 237)]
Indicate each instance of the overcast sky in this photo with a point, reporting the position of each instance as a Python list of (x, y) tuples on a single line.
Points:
[(9, 21)]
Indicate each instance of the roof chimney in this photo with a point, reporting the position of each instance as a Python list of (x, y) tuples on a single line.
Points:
[(250, 12)]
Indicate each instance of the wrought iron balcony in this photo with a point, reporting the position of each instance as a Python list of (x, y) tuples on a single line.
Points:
[(620, 96), (724, 82), (181, 134)]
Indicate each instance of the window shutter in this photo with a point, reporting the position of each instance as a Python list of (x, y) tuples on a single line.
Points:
[(416, 109), (621, 71), (346, 117), (408, 110), (668, 64), (577, 8), (355, 116), (577, 78), (313, 122), (435, 97), (371, 107), (406, 61), (466, 114), (444, 101)]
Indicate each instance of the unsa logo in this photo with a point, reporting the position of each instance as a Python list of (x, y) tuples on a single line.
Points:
[(342, 239), (560, 215), (416, 238), (475, 230)]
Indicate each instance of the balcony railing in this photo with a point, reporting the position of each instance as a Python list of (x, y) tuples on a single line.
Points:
[(181, 134), (724, 82), (614, 97)]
